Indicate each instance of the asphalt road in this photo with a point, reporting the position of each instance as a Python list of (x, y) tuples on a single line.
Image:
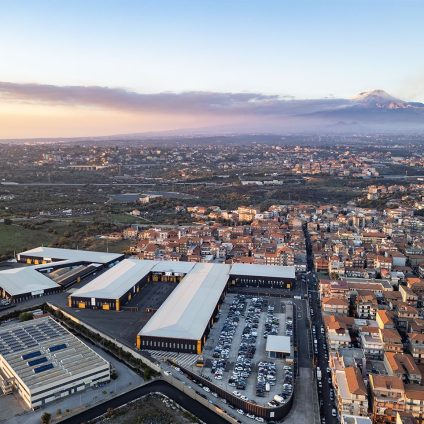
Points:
[(161, 386), (321, 358)]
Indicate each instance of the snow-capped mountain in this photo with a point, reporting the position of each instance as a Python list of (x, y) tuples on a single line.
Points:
[(381, 100)]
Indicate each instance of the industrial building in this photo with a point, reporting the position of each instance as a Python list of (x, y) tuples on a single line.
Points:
[(183, 321), (263, 275), (42, 361), (45, 255), (19, 284), (118, 285), (113, 288)]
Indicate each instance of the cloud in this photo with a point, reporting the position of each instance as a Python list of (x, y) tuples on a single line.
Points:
[(194, 102)]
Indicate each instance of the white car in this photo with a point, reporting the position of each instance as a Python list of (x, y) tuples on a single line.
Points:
[(236, 393), (259, 419), (240, 411), (250, 416), (334, 412), (206, 389)]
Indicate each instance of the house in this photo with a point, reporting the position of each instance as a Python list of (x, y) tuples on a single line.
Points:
[(387, 397), (334, 305), (402, 365), (351, 393)]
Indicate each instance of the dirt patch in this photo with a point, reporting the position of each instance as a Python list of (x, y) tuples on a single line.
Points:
[(151, 409)]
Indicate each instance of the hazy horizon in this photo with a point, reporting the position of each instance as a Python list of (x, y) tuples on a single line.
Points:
[(99, 68)]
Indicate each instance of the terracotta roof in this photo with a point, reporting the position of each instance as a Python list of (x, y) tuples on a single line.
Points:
[(414, 391), (418, 337), (385, 316), (386, 382), (401, 362), (390, 334), (355, 382), (335, 301)]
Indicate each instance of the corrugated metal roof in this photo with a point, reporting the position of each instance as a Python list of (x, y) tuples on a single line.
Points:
[(116, 281), (272, 271), (71, 254), (44, 334), (173, 266), (187, 310), (18, 281)]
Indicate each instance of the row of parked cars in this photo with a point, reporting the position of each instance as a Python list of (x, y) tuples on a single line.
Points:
[(272, 323), (267, 377), (247, 348), (222, 349)]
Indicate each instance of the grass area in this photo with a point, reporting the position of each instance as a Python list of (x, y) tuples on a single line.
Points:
[(113, 246), (22, 236), (16, 238)]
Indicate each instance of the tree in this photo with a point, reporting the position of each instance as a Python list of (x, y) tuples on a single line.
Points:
[(46, 418), (25, 316)]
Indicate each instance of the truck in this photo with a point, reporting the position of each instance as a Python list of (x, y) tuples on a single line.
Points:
[(319, 374), (279, 399)]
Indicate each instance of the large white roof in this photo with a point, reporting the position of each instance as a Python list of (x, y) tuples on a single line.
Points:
[(45, 341), (173, 266), (71, 254), (116, 281), (271, 271), (187, 310), (278, 344), (18, 281)]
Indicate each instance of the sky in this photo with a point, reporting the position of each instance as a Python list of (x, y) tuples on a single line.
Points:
[(76, 68)]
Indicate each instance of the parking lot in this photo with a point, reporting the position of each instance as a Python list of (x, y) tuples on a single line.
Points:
[(123, 325), (235, 356)]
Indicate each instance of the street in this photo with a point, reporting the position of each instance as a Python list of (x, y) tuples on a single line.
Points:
[(320, 355)]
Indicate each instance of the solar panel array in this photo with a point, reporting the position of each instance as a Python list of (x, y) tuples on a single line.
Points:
[(19, 339), (41, 352)]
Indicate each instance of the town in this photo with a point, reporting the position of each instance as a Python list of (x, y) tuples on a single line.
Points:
[(324, 298)]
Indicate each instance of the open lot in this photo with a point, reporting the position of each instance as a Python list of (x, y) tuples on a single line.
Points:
[(123, 325), (235, 355)]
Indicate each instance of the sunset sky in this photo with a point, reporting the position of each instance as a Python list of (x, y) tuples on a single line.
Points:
[(97, 67)]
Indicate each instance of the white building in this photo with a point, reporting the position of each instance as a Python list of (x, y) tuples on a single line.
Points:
[(42, 362)]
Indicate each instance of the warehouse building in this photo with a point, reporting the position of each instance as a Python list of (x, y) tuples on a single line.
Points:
[(19, 284), (171, 271), (45, 255), (118, 285), (115, 287), (42, 361), (183, 321), (263, 275)]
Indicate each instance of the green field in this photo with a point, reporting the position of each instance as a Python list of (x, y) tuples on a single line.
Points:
[(15, 238), (19, 237)]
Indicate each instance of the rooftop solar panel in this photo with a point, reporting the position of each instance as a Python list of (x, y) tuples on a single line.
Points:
[(31, 355), (57, 347), (43, 368), (37, 361)]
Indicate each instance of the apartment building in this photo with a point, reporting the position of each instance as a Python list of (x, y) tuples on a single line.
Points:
[(351, 393)]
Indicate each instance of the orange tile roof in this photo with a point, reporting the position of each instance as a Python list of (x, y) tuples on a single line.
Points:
[(385, 316), (414, 392), (355, 382), (386, 382), (401, 361)]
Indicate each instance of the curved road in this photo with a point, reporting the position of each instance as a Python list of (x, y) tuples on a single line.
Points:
[(191, 405)]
